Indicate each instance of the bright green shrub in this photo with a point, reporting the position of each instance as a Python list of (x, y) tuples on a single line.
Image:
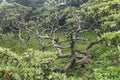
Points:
[(111, 38), (107, 66), (105, 14), (110, 73), (59, 76), (32, 65)]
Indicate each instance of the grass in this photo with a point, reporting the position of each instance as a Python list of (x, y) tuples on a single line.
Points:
[(98, 52), (12, 42)]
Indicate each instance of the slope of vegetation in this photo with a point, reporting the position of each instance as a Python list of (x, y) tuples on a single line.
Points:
[(60, 40)]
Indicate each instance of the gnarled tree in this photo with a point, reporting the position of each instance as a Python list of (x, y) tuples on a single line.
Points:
[(49, 17)]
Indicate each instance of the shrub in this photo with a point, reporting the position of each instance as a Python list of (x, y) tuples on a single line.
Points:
[(31, 65)]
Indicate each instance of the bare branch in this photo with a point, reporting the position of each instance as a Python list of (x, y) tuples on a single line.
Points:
[(21, 39), (67, 67), (80, 38), (41, 40), (81, 52), (90, 45), (84, 60), (64, 56), (63, 41)]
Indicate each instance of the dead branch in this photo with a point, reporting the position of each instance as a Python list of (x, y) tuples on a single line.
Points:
[(81, 52), (90, 45), (66, 68), (64, 55), (60, 54), (41, 40), (84, 60), (81, 59), (79, 56), (21, 39)]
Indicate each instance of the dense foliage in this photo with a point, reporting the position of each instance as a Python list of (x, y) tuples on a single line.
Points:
[(75, 40), (11, 12), (105, 14), (32, 65)]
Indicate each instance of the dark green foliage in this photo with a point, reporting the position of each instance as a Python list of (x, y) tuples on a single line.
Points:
[(23, 2), (11, 14)]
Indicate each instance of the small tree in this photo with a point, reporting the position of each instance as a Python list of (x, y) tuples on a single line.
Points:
[(49, 18), (13, 18), (103, 14)]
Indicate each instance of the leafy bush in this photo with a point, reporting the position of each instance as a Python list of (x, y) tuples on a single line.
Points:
[(111, 38), (110, 73), (105, 14), (107, 66), (9, 12), (32, 65)]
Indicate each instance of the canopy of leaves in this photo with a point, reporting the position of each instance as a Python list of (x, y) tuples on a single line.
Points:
[(103, 13), (10, 12)]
